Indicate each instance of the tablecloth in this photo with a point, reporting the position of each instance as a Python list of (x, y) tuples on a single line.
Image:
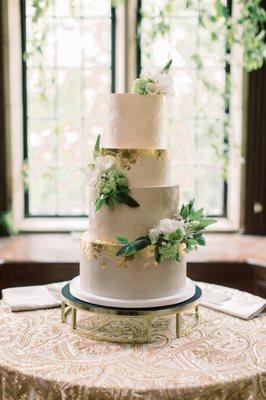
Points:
[(223, 358)]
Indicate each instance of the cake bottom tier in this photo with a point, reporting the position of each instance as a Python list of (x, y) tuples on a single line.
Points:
[(138, 281)]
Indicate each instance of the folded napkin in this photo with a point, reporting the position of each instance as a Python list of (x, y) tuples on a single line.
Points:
[(220, 298), (33, 297), (231, 301)]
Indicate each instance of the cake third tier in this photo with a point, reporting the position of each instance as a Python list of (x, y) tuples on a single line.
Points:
[(156, 203)]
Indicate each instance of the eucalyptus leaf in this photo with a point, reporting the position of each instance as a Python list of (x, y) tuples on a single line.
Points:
[(127, 199), (127, 250), (201, 241), (167, 66), (142, 242), (196, 215), (206, 222), (96, 150), (122, 239), (184, 212), (192, 242)]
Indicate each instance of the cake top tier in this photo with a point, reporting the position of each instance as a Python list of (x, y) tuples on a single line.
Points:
[(135, 121)]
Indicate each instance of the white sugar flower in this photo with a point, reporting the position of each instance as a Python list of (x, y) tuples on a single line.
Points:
[(101, 165), (165, 84), (168, 225), (92, 177), (104, 164), (154, 235), (152, 88)]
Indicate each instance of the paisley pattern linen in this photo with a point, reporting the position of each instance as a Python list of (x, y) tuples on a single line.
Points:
[(40, 358)]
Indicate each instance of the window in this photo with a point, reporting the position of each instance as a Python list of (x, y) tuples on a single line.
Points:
[(65, 100), (195, 111), (90, 49)]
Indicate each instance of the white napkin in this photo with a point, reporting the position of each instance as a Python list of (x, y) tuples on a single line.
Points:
[(33, 297), (231, 301)]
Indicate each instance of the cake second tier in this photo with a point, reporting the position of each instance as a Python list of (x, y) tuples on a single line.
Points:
[(156, 203), (142, 167)]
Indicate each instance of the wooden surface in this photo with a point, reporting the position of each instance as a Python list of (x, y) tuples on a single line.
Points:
[(228, 259)]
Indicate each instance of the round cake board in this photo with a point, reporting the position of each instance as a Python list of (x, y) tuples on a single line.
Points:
[(186, 295), (68, 296)]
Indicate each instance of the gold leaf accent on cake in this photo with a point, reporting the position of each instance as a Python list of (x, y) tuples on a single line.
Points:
[(125, 158), (147, 252), (120, 262), (123, 260), (95, 249)]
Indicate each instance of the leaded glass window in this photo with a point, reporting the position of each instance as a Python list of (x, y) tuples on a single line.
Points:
[(197, 115), (66, 82)]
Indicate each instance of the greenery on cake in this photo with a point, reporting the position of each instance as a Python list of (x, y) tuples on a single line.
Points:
[(159, 82), (112, 189), (171, 239), (112, 186)]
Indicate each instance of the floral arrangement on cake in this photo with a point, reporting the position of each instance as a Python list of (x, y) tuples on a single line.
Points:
[(159, 82), (171, 239), (112, 185)]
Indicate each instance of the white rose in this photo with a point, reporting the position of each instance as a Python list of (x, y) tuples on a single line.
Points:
[(168, 225), (165, 84), (152, 88), (154, 235), (92, 177), (104, 164)]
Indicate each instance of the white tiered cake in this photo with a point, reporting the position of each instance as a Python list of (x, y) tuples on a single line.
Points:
[(135, 143)]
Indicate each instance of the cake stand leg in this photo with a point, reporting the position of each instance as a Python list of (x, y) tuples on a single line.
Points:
[(178, 325), (63, 315), (197, 314), (74, 318), (149, 329)]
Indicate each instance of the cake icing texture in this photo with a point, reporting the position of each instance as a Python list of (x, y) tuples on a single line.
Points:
[(135, 121)]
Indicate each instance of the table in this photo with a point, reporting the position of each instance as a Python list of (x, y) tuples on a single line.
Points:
[(40, 358)]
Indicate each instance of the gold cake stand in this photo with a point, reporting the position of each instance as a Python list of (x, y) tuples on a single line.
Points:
[(70, 305)]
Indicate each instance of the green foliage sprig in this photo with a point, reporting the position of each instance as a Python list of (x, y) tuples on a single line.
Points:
[(112, 189), (172, 242), (157, 84), (6, 224)]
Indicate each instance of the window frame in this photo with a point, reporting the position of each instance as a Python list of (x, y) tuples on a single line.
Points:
[(125, 70)]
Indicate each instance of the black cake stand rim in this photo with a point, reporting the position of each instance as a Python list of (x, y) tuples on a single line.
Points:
[(66, 295)]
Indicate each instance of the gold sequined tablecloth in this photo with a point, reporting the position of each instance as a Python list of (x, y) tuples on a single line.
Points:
[(40, 358)]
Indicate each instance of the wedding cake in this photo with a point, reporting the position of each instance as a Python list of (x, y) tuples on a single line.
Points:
[(133, 254)]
